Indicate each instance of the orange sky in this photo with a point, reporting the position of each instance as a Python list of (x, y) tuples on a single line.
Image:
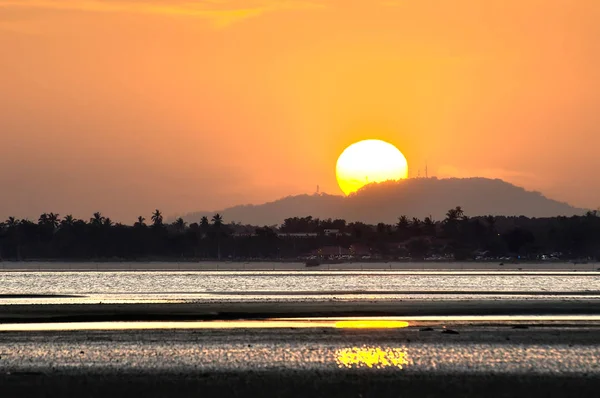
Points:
[(122, 106)]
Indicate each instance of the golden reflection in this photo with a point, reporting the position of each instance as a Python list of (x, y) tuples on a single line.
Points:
[(370, 324), (371, 357)]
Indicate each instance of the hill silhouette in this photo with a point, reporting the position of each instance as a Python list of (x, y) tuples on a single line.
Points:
[(418, 197)]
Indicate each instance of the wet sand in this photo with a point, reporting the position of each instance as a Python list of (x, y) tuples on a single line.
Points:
[(202, 310), (488, 361)]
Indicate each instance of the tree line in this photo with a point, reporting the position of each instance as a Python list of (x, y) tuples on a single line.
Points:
[(457, 236)]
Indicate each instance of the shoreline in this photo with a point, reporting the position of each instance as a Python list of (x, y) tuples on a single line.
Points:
[(290, 260), (234, 266)]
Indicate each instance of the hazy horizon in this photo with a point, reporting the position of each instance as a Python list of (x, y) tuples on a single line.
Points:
[(125, 106)]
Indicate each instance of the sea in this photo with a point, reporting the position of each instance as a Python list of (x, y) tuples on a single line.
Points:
[(284, 281)]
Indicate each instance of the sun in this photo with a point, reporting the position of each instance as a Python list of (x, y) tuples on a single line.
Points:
[(369, 161)]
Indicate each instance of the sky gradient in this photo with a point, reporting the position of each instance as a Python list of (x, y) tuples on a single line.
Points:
[(124, 106)]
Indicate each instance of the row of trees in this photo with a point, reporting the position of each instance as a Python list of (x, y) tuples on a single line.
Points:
[(70, 238), (53, 237)]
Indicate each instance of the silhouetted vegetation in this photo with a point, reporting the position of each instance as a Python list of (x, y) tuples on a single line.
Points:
[(457, 237)]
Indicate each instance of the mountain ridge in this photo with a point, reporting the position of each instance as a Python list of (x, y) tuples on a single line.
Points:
[(417, 197)]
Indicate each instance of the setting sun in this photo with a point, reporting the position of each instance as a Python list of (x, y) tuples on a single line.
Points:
[(369, 161)]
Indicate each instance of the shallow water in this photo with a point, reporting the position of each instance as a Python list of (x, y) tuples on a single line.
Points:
[(251, 283), (409, 351)]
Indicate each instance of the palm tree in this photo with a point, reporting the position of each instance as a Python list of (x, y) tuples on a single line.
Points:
[(43, 219), (204, 224), (180, 225), (217, 220), (217, 223), (140, 222), (157, 218), (202, 233), (97, 219), (107, 222), (54, 220), (12, 222), (451, 222), (68, 221), (451, 216)]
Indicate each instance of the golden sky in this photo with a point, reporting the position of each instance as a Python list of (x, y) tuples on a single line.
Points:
[(122, 106)]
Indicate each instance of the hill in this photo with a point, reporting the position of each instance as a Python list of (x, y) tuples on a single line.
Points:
[(420, 197)]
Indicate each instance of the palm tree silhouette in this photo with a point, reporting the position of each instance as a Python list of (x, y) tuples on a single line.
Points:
[(157, 218), (43, 219), (54, 220), (217, 223), (180, 225), (203, 231), (217, 220), (140, 222), (451, 223), (97, 219), (68, 221), (204, 224)]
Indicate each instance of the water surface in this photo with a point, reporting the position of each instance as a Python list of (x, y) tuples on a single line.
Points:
[(280, 283)]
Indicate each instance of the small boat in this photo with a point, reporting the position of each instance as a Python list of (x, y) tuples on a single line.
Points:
[(313, 262)]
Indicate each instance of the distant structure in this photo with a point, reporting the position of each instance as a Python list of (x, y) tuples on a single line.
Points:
[(419, 172)]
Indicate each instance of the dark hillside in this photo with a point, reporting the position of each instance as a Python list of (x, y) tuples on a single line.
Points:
[(413, 198)]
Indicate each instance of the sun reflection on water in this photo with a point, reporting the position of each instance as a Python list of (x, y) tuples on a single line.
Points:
[(371, 324), (371, 357)]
